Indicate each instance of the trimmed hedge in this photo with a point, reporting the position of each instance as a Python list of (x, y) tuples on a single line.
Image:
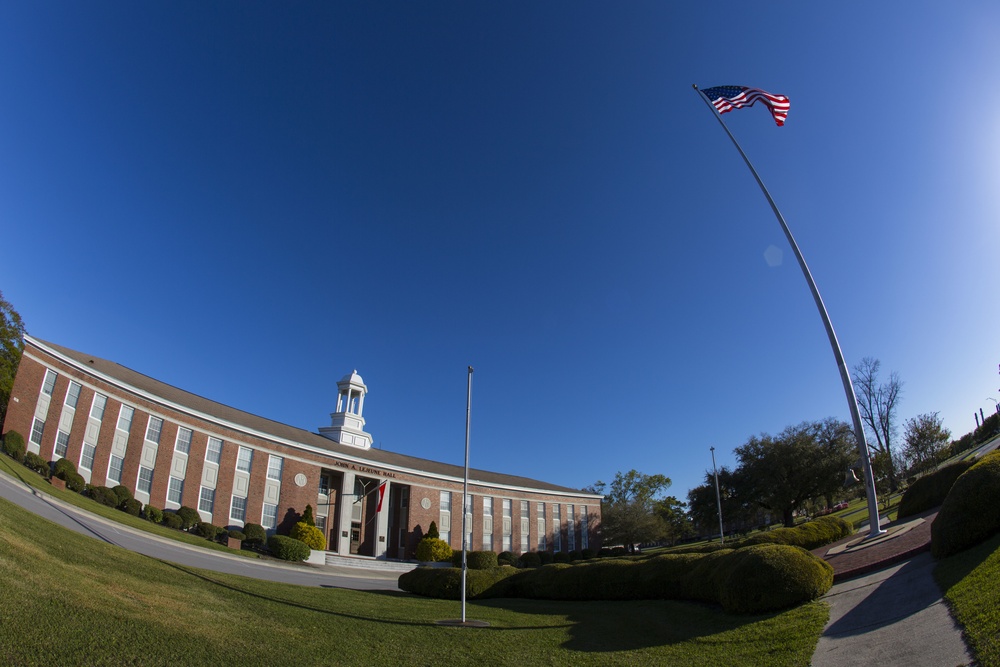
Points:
[(809, 535), (256, 536), (309, 534), (134, 507), (33, 461), (530, 559), (154, 514), (286, 548), (189, 517), (207, 530), (123, 493), (507, 558), (930, 490), (103, 495), (432, 549), (171, 520), (751, 580), (14, 447), (476, 560), (970, 514)]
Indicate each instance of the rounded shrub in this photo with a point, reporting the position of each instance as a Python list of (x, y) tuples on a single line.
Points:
[(309, 534), (575, 555), (154, 514), (236, 534), (809, 535), (432, 549), (122, 492), (171, 520), (970, 513), (287, 548), (530, 559), (189, 517), (103, 495), (61, 467), (560, 557), (74, 481), (35, 462), (930, 490), (446, 582), (767, 577), (506, 558), (207, 530), (546, 557), (587, 554), (481, 560), (13, 446), (256, 536), (134, 507)]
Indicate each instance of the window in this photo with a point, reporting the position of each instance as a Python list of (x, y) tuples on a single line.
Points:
[(176, 490), (506, 524), (87, 457), (238, 509), (444, 520), (206, 500), (269, 517), (183, 444), (115, 469), (541, 526), (244, 460), (320, 521), (62, 444), (214, 451), (570, 529), (274, 466), (487, 524), (97, 409), (145, 482), (37, 429), (556, 528), (525, 521), (73, 394), (50, 382), (324, 485), (153, 429), (584, 526), (468, 523), (125, 418)]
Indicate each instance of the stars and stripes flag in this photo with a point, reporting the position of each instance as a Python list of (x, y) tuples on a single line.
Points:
[(727, 98)]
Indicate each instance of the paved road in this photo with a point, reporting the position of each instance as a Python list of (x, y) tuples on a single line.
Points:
[(182, 554), (894, 617)]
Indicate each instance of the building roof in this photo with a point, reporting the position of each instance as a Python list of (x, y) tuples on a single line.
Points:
[(162, 392)]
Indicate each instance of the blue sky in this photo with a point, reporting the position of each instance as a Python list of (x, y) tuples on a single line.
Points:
[(249, 200)]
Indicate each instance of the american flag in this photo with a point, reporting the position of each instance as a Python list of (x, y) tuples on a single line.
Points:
[(727, 98)]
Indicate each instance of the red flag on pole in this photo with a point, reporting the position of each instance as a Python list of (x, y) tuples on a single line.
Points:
[(381, 494)]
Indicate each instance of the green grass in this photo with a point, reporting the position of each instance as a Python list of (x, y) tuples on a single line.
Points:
[(969, 581), (36, 481), (68, 599)]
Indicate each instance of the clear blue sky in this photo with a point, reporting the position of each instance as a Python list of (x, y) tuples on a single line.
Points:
[(249, 200)]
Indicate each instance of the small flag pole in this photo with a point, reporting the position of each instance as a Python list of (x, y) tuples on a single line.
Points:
[(845, 376), (465, 490)]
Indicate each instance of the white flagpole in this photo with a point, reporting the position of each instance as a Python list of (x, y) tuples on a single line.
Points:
[(465, 489), (845, 376)]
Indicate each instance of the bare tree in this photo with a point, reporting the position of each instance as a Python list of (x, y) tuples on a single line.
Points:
[(877, 402)]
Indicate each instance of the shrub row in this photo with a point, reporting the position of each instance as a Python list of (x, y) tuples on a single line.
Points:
[(754, 579), (476, 560), (970, 513), (930, 490)]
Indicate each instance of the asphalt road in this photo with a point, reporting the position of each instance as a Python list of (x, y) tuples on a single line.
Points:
[(171, 551)]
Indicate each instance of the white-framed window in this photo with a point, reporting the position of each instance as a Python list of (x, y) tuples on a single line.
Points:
[(206, 500), (584, 526), (244, 459), (269, 517), (125, 418), (145, 482), (556, 528), (570, 529), (183, 444), (274, 467), (97, 407), (320, 521), (49, 384), (73, 394), (37, 431), (487, 524), (238, 509), (175, 490), (87, 456), (525, 527), (324, 485), (115, 466), (506, 530), (540, 508), (444, 517), (62, 444), (153, 429), (213, 454)]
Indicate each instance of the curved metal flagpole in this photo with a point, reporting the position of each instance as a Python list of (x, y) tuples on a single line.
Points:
[(845, 376)]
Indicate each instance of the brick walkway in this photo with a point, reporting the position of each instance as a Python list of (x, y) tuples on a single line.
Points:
[(856, 555)]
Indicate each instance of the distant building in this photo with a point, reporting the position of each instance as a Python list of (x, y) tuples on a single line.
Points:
[(174, 448)]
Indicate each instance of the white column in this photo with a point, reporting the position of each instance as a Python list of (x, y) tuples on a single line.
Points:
[(382, 535), (345, 501)]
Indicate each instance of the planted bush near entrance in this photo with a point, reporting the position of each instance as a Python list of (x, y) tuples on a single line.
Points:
[(750, 580), (930, 490), (286, 548), (970, 514)]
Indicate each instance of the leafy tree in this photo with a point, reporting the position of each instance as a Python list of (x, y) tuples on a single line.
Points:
[(628, 511), (878, 402), (803, 462), (738, 514), (676, 521), (11, 346), (925, 437)]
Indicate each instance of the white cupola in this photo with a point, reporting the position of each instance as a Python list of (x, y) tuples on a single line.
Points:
[(347, 426)]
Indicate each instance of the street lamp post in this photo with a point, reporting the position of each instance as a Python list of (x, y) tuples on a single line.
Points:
[(718, 498)]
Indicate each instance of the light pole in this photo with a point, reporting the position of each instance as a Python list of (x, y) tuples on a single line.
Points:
[(718, 498)]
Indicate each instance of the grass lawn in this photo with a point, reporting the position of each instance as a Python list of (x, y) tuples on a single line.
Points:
[(66, 599), (970, 583), (36, 481)]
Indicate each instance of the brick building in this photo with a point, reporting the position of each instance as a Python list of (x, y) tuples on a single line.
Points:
[(174, 448)]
